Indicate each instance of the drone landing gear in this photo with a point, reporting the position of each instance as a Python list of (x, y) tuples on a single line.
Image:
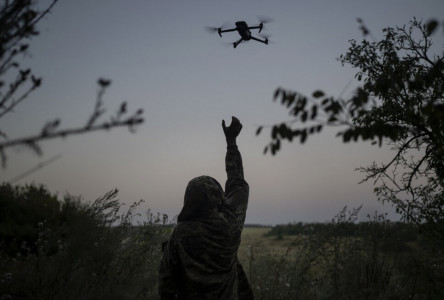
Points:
[(237, 43), (252, 38)]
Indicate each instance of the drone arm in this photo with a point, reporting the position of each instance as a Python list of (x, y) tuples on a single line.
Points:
[(237, 43), (227, 30), (257, 27), (259, 40), (220, 30)]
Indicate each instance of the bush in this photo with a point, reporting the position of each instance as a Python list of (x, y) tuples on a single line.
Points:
[(89, 252)]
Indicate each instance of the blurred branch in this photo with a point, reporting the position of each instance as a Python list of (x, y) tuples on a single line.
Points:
[(34, 169), (51, 131), (18, 20)]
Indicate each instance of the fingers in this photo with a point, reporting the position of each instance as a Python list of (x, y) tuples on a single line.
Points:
[(234, 123)]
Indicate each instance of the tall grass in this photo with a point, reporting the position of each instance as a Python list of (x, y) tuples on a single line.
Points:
[(98, 252), (371, 264)]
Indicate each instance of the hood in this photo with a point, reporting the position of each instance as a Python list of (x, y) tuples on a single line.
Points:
[(203, 198)]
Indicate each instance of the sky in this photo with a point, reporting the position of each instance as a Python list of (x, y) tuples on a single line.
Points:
[(160, 58)]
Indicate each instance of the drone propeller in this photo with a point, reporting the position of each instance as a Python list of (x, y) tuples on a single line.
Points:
[(263, 20), (213, 29)]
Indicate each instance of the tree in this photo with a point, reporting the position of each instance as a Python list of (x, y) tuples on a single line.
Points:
[(401, 101), (18, 23)]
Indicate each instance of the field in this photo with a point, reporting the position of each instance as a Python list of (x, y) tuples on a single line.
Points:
[(342, 260), (253, 239)]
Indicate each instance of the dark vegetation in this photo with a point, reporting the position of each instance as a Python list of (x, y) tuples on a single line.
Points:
[(401, 103), (343, 259), (53, 248), (66, 248)]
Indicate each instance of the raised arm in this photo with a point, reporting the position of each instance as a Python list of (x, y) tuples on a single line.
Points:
[(236, 188)]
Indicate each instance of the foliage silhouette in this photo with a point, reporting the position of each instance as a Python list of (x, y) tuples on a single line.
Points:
[(328, 261), (18, 23), (401, 101), (71, 249)]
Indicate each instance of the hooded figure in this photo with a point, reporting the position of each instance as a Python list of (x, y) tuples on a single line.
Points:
[(199, 261)]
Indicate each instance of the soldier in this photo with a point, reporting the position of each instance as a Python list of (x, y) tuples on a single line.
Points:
[(199, 261)]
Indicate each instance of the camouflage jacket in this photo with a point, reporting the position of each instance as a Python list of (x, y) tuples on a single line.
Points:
[(199, 261)]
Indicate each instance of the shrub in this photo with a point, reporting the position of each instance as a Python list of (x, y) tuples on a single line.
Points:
[(93, 252)]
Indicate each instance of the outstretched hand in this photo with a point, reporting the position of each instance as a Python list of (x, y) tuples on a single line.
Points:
[(232, 131)]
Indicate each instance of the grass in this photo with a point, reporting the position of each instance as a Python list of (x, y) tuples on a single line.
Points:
[(89, 257), (254, 238)]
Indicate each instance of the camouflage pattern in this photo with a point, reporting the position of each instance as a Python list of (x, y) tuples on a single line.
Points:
[(199, 260)]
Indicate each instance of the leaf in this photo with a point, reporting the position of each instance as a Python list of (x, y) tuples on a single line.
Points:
[(276, 93), (346, 136), (274, 132), (304, 116), (259, 129), (332, 119), (103, 82), (431, 26), (314, 112), (318, 94), (303, 136)]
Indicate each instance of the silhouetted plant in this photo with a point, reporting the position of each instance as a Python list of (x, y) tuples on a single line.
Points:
[(94, 251), (339, 264), (18, 22), (401, 101)]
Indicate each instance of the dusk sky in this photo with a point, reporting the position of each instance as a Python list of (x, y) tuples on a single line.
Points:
[(160, 58)]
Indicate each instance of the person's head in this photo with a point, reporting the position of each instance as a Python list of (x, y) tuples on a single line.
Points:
[(203, 198)]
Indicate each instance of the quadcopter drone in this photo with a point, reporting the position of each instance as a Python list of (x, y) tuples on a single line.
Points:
[(244, 31)]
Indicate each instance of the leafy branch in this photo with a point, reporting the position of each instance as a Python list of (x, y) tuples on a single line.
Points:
[(401, 101)]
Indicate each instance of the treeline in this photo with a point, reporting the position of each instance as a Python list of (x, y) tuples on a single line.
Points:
[(343, 259), (400, 230)]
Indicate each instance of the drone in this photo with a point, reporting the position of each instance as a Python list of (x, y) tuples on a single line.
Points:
[(244, 31)]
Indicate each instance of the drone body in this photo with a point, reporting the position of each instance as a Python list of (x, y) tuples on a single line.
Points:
[(244, 31)]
